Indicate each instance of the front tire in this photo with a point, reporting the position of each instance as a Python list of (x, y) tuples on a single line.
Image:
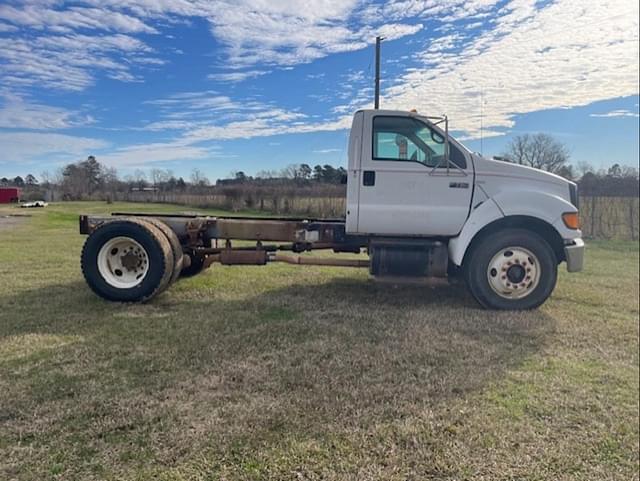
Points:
[(127, 261), (512, 269)]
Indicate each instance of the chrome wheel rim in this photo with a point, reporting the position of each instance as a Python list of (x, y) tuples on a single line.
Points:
[(123, 263), (514, 272)]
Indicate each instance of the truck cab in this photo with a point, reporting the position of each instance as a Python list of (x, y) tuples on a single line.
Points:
[(399, 180), (409, 180)]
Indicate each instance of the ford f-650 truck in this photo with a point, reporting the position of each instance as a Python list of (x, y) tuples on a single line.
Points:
[(418, 203)]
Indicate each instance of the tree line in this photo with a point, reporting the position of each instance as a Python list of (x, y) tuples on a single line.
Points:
[(89, 178), (299, 174)]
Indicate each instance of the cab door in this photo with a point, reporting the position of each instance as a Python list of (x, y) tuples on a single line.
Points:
[(405, 187)]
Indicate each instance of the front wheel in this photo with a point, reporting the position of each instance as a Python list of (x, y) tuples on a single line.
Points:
[(513, 269)]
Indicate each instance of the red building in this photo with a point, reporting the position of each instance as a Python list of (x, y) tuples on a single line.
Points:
[(9, 195)]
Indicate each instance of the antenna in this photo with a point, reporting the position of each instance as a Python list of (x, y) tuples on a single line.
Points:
[(376, 102), (481, 120)]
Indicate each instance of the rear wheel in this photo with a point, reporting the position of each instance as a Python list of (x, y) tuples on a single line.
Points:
[(127, 260), (176, 247), (511, 269)]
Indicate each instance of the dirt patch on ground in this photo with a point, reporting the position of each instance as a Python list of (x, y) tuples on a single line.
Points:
[(7, 221)]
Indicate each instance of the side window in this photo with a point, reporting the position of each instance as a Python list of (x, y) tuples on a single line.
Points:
[(396, 146), (408, 139)]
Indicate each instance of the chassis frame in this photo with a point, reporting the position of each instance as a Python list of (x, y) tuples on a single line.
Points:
[(210, 239)]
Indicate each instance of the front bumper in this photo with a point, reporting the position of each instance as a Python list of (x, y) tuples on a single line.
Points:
[(574, 255)]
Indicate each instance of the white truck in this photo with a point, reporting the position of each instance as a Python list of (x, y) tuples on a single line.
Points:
[(418, 202)]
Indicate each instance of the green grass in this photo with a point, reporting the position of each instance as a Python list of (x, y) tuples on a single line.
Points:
[(286, 372)]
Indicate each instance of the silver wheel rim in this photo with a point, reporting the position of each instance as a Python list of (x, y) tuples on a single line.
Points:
[(514, 272), (123, 263)]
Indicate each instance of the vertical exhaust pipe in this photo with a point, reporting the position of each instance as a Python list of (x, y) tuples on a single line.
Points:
[(376, 102)]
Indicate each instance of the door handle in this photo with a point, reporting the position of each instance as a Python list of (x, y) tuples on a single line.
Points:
[(368, 177)]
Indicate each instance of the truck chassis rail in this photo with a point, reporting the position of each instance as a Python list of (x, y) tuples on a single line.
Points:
[(191, 243)]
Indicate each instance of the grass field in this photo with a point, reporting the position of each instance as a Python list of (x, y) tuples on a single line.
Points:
[(291, 373)]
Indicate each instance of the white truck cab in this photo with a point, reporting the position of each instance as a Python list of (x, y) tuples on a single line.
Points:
[(507, 226)]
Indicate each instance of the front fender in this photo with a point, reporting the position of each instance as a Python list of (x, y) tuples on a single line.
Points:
[(481, 216), (546, 207)]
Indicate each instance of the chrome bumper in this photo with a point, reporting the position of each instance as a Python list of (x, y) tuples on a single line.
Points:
[(574, 255)]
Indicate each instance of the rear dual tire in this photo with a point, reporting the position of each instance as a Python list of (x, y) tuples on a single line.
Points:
[(176, 247), (130, 260)]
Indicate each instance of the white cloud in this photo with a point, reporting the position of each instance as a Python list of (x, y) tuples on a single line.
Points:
[(185, 110), (144, 154), (326, 151), (238, 76), (253, 32), (68, 62), (617, 113), (261, 127), (355, 77), (5, 27), (208, 116), (441, 10), (564, 55), (27, 146), (17, 113), (72, 18), (442, 44)]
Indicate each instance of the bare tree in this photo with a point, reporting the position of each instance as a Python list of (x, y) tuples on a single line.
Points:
[(199, 178), (45, 178), (266, 174), (159, 177), (583, 167), (58, 176), (290, 172), (110, 178), (139, 178), (541, 151), (567, 171)]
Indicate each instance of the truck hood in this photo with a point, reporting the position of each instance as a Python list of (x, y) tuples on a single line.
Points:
[(494, 176)]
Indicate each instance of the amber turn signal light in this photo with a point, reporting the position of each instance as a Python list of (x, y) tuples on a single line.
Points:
[(571, 220)]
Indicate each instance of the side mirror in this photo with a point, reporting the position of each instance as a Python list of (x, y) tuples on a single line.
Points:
[(343, 179), (437, 138)]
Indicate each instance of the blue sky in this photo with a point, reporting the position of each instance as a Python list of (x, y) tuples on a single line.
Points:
[(255, 85)]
